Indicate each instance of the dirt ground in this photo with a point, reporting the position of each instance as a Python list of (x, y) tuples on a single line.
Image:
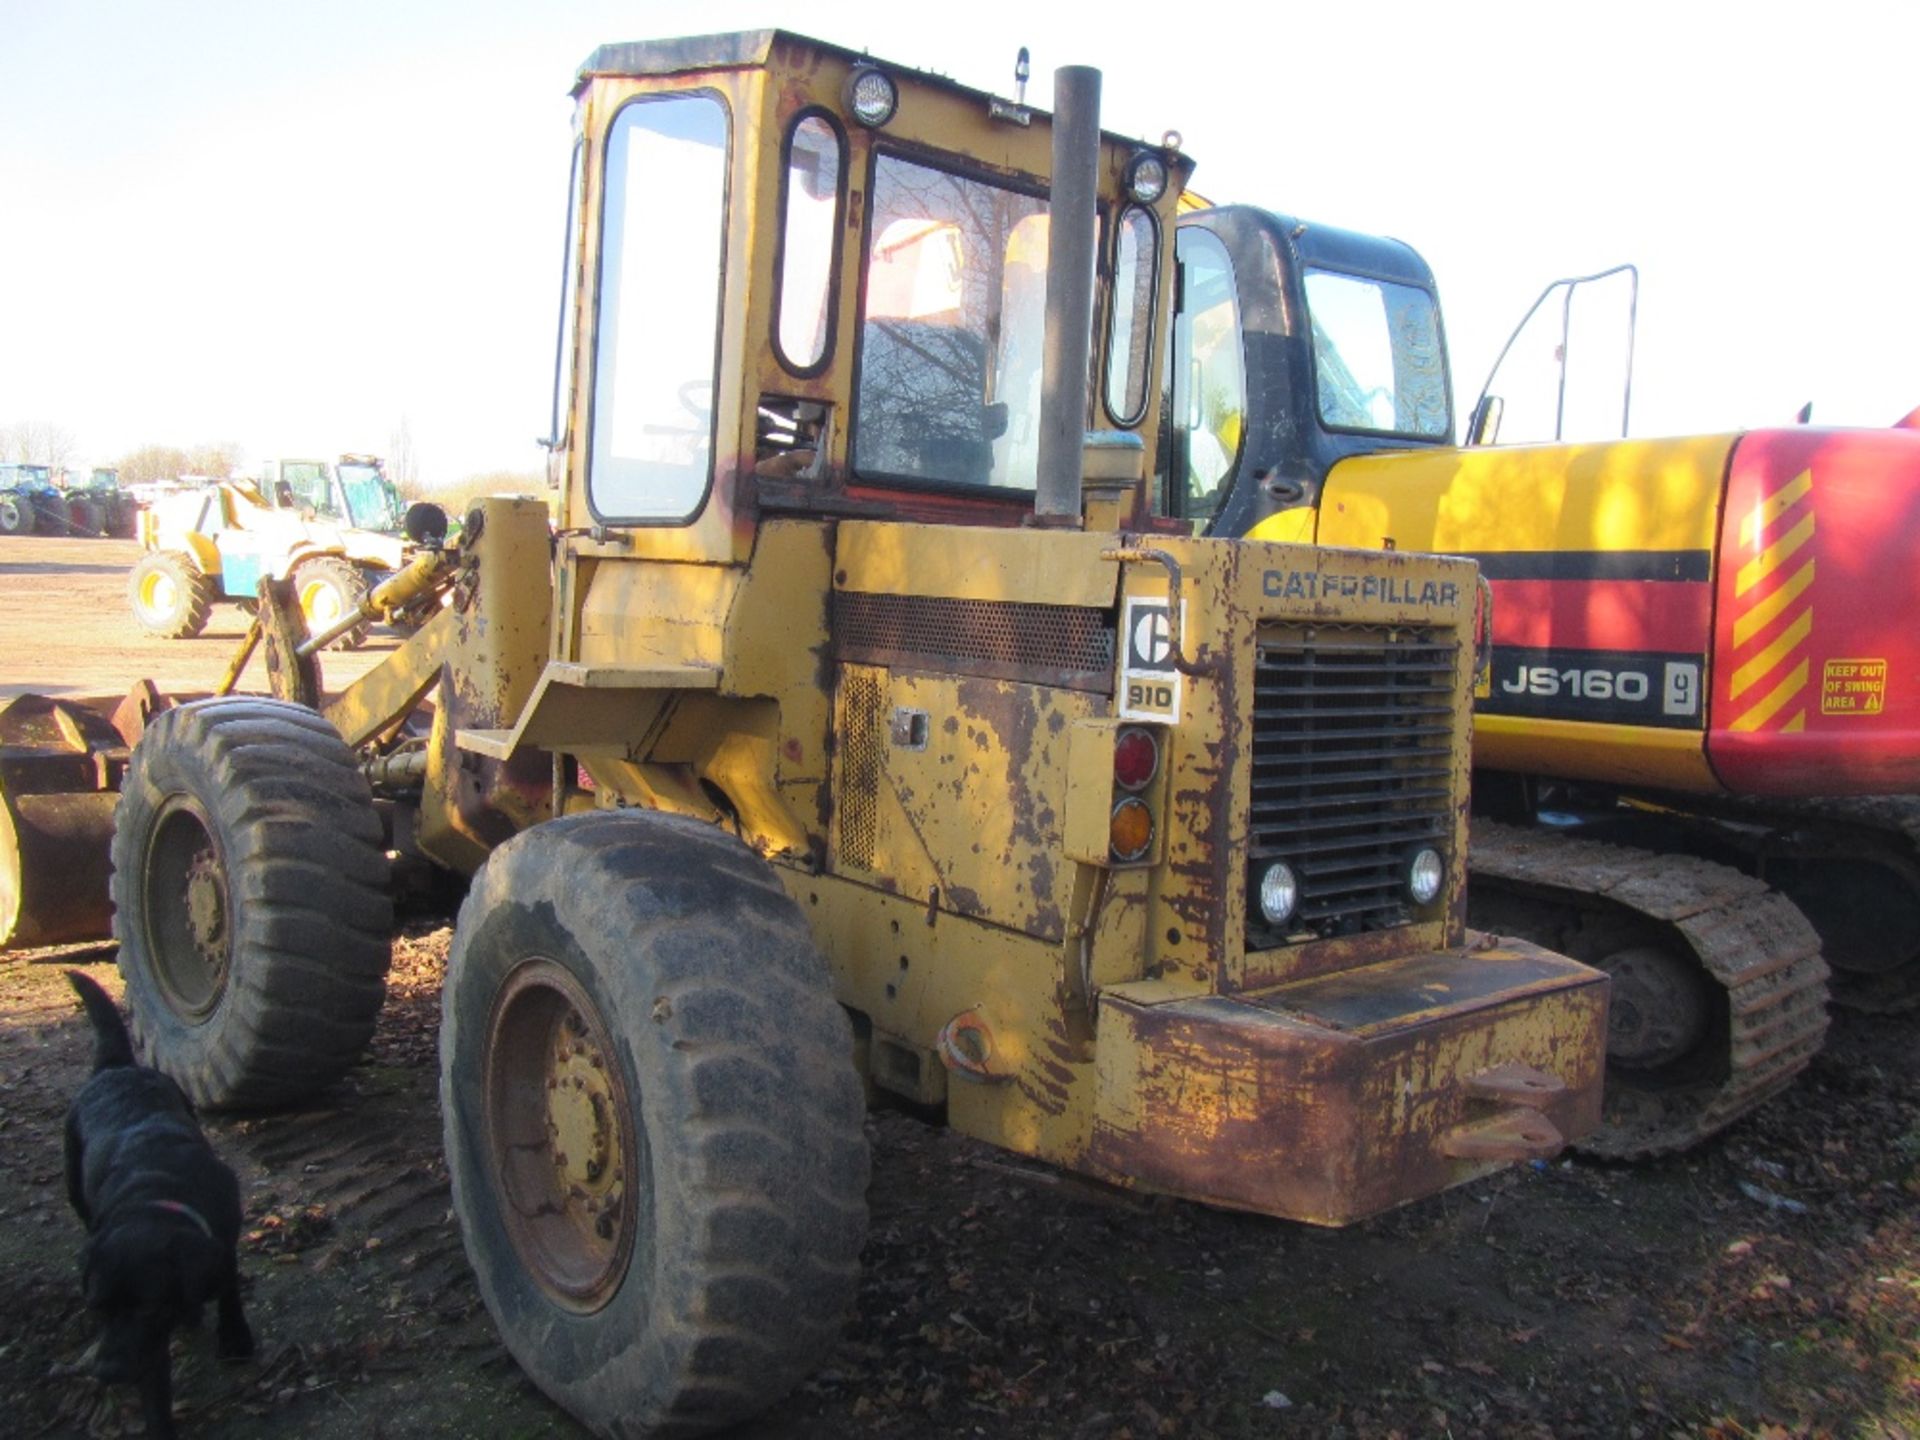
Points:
[(66, 627), (1767, 1285)]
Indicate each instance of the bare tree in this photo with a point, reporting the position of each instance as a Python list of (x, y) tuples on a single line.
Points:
[(37, 442), (403, 463), (152, 462), (218, 460)]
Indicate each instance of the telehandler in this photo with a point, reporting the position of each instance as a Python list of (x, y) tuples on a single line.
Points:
[(216, 543), (858, 730), (1698, 731)]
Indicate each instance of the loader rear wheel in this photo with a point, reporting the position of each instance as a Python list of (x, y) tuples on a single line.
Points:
[(250, 901), (330, 589), (171, 595), (16, 515), (653, 1122)]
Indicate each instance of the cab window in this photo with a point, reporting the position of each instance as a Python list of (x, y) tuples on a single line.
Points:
[(809, 230), (563, 356), (1378, 365), (662, 239), (1209, 386), (951, 338), (1136, 258)]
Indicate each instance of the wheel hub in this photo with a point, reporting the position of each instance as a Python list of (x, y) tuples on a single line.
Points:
[(189, 911), (206, 911), (563, 1136), (160, 593), (583, 1127), (322, 606), (1659, 1012)]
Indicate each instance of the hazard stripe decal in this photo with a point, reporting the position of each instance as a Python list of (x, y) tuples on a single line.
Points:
[(1772, 613)]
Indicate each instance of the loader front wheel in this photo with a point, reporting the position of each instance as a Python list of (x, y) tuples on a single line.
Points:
[(331, 589), (653, 1122), (16, 515), (250, 902), (172, 597)]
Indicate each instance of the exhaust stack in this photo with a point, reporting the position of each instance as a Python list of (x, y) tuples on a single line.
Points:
[(1073, 212)]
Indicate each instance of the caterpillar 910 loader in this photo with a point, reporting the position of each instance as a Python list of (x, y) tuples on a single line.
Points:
[(1700, 658), (858, 725)]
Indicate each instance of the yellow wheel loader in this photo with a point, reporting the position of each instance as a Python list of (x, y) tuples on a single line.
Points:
[(859, 734)]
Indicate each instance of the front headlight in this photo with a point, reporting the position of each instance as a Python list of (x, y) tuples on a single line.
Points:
[(1426, 873), (1279, 893), (1146, 178), (871, 97)]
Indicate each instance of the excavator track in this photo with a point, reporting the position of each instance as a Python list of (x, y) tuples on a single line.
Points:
[(1876, 965), (1766, 1016)]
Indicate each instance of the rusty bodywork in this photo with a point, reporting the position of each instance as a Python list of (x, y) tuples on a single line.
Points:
[(813, 608)]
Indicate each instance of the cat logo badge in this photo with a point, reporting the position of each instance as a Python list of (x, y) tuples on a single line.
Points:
[(1149, 685)]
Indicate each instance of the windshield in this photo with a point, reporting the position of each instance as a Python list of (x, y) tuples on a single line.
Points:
[(372, 502), (956, 281), (1377, 356), (306, 485)]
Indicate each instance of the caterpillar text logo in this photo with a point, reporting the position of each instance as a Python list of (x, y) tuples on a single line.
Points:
[(1389, 589)]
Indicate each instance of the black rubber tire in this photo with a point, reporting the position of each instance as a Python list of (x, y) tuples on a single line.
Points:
[(748, 1119), (330, 588), (87, 517), (171, 596), (16, 515), (305, 914)]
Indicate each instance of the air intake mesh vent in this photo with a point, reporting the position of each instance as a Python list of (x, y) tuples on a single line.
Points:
[(860, 761), (1067, 645), (1352, 769)]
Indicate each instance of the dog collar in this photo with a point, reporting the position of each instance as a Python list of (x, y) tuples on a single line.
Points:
[(187, 1210)]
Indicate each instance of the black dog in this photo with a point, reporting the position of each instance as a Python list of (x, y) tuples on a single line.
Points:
[(162, 1215)]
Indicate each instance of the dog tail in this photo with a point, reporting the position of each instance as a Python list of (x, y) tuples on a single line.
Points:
[(111, 1044)]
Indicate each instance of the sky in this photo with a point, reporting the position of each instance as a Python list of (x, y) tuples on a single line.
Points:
[(301, 227)]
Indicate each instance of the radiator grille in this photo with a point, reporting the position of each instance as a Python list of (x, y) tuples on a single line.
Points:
[(1352, 768), (1066, 645), (860, 757)]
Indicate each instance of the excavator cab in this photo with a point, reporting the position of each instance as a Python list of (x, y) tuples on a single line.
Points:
[(1295, 346)]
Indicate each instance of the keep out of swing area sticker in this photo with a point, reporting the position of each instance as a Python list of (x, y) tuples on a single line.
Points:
[(1149, 685)]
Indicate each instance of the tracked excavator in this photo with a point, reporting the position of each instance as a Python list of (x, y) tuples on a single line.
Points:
[(1697, 748), (859, 732)]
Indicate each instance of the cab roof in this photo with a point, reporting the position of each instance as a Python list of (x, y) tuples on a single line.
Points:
[(753, 49)]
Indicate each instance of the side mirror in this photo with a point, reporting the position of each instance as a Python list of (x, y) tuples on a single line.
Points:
[(426, 524), (994, 419), (1483, 426)]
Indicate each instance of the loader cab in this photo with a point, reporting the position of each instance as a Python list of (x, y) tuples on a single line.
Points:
[(804, 282), (1294, 346)]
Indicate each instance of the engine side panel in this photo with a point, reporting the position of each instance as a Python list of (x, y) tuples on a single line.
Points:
[(1602, 563), (1814, 690)]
